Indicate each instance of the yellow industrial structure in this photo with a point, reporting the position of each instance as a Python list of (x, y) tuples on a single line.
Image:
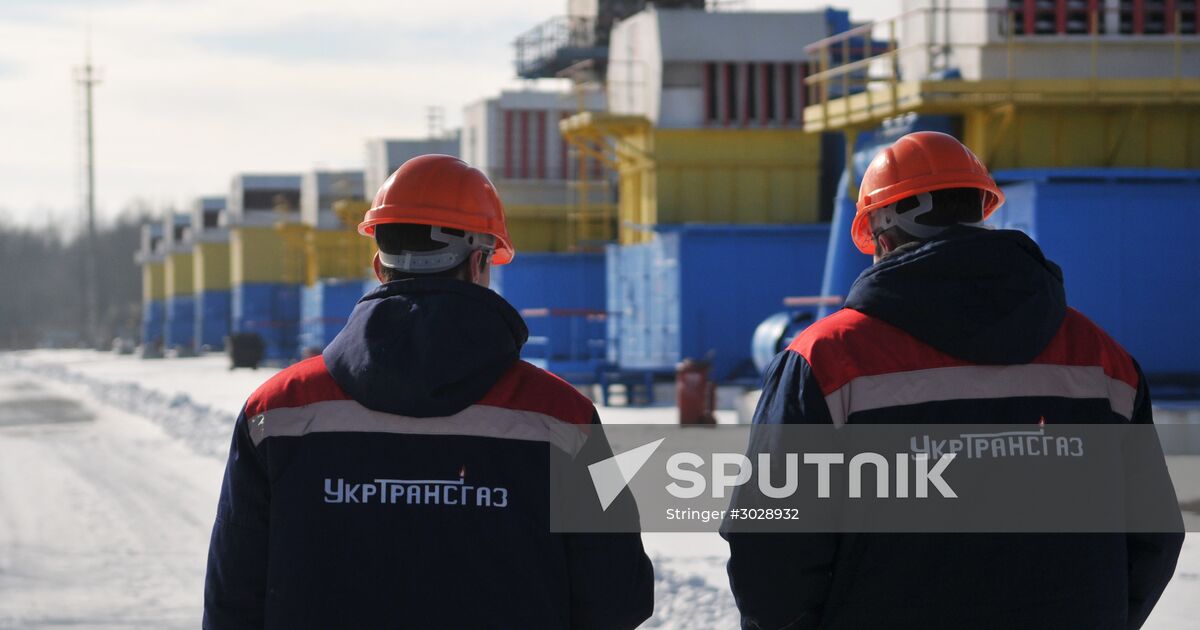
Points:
[(705, 128), (179, 326), (154, 286), (265, 272), (561, 227), (179, 275), (263, 255), (210, 266), (210, 278), (718, 175), (309, 255), (258, 253), (325, 244)]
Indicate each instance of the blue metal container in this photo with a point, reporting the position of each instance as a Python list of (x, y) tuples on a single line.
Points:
[(213, 312), (180, 327), (1125, 240), (700, 291), (271, 311), (154, 316), (843, 261), (324, 309), (562, 299)]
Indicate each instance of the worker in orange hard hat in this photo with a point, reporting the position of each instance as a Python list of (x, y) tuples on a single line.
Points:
[(403, 476), (955, 324), (912, 191), (450, 213)]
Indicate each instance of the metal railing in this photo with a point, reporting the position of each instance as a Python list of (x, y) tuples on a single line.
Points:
[(543, 44), (876, 81)]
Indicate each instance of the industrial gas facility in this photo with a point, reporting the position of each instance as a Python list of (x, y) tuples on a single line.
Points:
[(689, 195)]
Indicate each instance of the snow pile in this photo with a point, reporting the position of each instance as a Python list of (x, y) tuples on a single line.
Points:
[(205, 429)]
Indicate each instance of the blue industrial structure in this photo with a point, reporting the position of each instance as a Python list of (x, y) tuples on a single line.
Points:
[(561, 297), (1122, 237), (211, 263), (213, 310), (178, 277), (271, 311), (154, 316), (180, 329), (324, 308), (699, 291), (1125, 241)]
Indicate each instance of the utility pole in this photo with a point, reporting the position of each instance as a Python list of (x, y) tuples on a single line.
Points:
[(435, 120), (87, 79)]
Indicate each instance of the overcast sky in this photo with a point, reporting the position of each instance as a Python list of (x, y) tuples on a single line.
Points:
[(196, 90)]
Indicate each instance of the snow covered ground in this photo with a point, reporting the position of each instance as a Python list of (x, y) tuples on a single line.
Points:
[(90, 538)]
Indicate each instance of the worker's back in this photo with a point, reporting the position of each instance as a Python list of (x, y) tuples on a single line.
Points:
[(971, 327), (402, 480)]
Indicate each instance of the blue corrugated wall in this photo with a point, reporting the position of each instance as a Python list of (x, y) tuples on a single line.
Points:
[(701, 290), (273, 312), (568, 339), (1125, 239), (324, 309), (213, 312), (180, 327), (154, 315)]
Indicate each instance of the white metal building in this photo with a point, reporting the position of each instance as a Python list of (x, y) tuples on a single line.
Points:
[(687, 68), (263, 200), (384, 156), (177, 232), (206, 219), (320, 189), (514, 138), (151, 248), (1048, 39)]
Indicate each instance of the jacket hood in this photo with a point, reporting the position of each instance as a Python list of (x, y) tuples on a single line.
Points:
[(984, 296), (425, 347)]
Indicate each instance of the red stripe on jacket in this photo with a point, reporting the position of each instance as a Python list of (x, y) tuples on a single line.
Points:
[(849, 344), (529, 388), (523, 387), (304, 383)]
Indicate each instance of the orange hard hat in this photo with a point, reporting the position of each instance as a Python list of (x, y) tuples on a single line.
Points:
[(444, 191), (919, 162)]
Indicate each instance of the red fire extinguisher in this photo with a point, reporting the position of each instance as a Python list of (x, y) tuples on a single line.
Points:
[(695, 394)]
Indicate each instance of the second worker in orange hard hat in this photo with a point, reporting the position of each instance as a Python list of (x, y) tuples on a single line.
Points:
[(402, 478), (954, 324)]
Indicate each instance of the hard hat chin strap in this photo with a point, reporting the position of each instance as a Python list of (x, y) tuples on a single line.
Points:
[(457, 249)]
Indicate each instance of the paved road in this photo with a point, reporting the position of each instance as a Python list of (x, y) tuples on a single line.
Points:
[(104, 520)]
